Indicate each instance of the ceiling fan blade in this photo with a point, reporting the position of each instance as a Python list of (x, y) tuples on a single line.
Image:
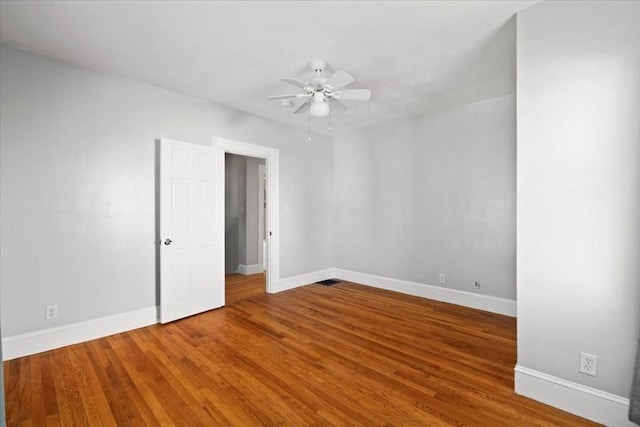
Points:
[(338, 106), (338, 80), (356, 95), (295, 82), (304, 107), (295, 95)]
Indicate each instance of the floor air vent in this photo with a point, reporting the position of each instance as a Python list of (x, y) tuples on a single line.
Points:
[(328, 282)]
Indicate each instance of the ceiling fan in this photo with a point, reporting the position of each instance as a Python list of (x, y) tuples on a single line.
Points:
[(320, 92)]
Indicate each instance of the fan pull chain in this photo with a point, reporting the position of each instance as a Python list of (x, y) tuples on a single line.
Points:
[(309, 137), (329, 119)]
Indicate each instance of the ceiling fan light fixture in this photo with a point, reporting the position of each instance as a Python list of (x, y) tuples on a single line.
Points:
[(320, 91), (319, 109)]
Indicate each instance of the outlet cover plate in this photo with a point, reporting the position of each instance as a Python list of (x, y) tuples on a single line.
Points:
[(588, 364), (51, 311), (442, 278)]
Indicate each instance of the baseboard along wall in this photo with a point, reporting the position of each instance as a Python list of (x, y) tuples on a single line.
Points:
[(467, 299), (48, 339), (587, 402), (246, 270), (302, 280)]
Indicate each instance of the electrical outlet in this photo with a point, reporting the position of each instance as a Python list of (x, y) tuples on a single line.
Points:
[(588, 364), (476, 285), (443, 278), (51, 311)]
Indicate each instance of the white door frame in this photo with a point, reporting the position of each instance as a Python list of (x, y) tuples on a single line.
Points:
[(261, 217), (272, 162)]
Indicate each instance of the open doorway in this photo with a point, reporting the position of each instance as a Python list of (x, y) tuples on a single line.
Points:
[(271, 158), (245, 231)]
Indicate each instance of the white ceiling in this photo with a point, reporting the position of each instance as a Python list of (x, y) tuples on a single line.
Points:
[(416, 56)]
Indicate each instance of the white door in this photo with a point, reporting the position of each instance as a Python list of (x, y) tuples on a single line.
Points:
[(191, 229)]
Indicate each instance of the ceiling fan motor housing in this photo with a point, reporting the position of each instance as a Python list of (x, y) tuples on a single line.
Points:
[(318, 65)]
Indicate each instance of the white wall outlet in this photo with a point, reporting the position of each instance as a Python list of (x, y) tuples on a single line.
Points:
[(51, 311), (588, 364), (476, 285), (442, 278)]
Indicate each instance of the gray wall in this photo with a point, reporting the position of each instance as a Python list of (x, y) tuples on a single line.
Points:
[(251, 208), (77, 188), (579, 189), (235, 192), (431, 195)]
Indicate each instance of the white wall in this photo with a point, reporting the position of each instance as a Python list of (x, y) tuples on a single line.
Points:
[(431, 195), (579, 189), (77, 188)]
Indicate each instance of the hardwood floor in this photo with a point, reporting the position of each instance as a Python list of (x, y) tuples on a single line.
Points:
[(239, 287), (340, 355)]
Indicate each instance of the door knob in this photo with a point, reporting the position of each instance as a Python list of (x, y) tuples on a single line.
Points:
[(167, 242)]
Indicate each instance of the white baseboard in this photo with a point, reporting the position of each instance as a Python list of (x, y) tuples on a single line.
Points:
[(303, 279), (49, 339), (249, 269), (587, 402), (438, 293)]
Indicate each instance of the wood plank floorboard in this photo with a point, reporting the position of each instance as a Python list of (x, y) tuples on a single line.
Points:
[(239, 287), (344, 355)]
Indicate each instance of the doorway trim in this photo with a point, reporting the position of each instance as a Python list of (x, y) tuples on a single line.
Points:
[(271, 157), (262, 207)]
